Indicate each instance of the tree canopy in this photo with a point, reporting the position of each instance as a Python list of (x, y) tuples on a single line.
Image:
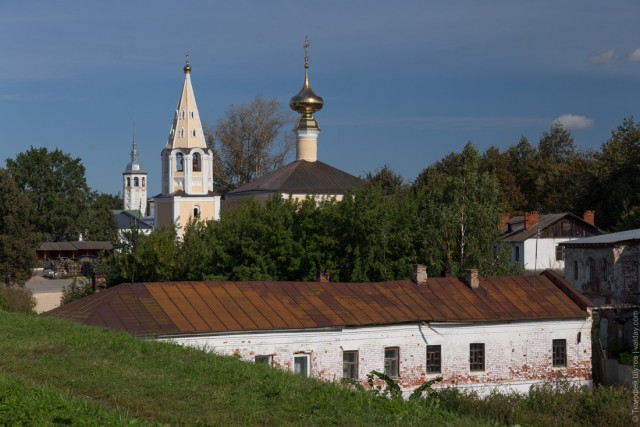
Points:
[(18, 241), (248, 142), (55, 183)]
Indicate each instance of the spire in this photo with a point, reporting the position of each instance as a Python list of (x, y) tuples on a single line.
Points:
[(306, 102), (186, 129), (187, 67), (134, 148), (134, 165)]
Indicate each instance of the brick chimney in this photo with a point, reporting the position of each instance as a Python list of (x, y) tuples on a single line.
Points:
[(99, 283), (419, 276), (589, 217), (504, 221), (325, 276), (472, 279), (531, 219)]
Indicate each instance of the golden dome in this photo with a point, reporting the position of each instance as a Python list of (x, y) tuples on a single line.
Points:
[(187, 67), (306, 102)]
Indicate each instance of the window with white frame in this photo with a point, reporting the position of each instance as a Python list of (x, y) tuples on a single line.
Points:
[(264, 359), (392, 362), (350, 364), (559, 349), (476, 357), (301, 365), (434, 358)]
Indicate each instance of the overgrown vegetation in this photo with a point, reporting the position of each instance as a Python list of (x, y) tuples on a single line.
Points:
[(553, 403), (16, 299), (77, 289)]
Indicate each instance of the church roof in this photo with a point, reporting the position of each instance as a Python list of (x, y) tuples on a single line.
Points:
[(300, 177), (134, 166), (182, 193), (186, 130)]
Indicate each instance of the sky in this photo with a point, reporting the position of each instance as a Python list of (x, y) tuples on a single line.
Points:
[(404, 83)]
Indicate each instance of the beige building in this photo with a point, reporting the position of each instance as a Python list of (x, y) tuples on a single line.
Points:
[(187, 168), (306, 176)]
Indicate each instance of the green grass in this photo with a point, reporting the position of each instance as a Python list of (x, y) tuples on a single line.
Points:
[(54, 372), (23, 404), (89, 372)]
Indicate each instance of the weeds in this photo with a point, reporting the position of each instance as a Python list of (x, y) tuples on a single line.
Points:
[(77, 289), (16, 300)]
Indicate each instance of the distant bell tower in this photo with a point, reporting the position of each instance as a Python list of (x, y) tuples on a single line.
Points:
[(134, 182), (187, 167)]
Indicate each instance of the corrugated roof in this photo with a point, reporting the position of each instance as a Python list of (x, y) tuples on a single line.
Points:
[(610, 238), (152, 309), (300, 177)]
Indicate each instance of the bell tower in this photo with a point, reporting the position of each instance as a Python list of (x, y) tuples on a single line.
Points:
[(134, 182), (187, 167)]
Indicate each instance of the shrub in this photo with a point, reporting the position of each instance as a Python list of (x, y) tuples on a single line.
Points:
[(77, 289), (17, 300)]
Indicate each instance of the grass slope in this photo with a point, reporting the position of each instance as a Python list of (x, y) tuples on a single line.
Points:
[(89, 375)]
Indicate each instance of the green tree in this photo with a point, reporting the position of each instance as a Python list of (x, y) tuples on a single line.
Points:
[(55, 183), (101, 224), (248, 142), (510, 196), (18, 241), (615, 180), (458, 215)]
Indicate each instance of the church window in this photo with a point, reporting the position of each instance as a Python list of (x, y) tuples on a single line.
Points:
[(181, 132), (136, 182), (196, 162), (192, 114), (196, 211), (179, 162), (182, 114), (143, 181), (193, 133), (128, 182)]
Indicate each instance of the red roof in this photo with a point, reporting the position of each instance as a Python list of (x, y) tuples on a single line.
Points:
[(175, 308)]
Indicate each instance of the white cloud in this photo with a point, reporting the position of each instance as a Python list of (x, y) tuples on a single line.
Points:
[(634, 55), (573, 122), (602, 58)]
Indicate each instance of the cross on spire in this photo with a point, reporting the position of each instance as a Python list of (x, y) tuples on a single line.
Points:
[(306, 51)]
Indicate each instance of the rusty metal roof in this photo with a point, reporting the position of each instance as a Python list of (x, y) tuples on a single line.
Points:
[(300, 177), (175, 308)]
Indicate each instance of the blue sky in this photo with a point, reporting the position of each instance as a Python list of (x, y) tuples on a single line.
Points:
[(403, 84)]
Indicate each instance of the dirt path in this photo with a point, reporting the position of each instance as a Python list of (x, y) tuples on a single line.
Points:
[(47, 292)]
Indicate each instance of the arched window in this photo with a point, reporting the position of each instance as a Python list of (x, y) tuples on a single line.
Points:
[(193, 133), (136, 182), (196, 162), (182, 114), (196, 211), (128, 182), (143, 181), (181, 132), (179, 162)]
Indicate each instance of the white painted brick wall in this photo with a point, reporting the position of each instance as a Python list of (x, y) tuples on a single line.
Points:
[(517, 354)]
